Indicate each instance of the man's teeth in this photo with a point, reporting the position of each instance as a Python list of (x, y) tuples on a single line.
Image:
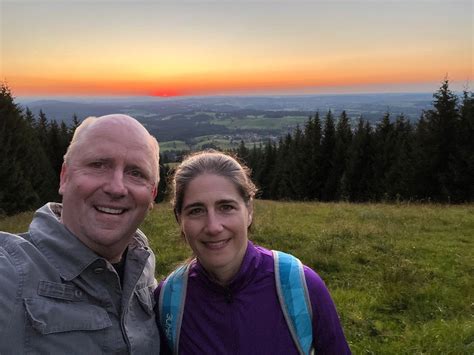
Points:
[(110, 210)]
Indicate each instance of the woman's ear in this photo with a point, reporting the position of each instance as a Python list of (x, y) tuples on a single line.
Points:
[(250, 214)]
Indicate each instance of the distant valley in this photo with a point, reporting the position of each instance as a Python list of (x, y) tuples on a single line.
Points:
[(223, 121)]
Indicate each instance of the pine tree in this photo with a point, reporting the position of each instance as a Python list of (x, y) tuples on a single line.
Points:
[(75, 123), (328, 151), (359, 176), (425, 182), (465, 147), (384, 156), (41, 174), (264, 169), (312, 156), (297, 166), (399, 179), (55, 146), (341, 155), (281, 185), (17, 193), (30, 118), (255, 160), (42, 130), (437, 154), (243, 152)]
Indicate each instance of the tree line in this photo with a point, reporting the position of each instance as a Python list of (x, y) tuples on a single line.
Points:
[(326, 160), (329, 160), (31, 155)]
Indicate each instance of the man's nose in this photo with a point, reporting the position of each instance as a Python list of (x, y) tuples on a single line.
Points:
[(115, 185)]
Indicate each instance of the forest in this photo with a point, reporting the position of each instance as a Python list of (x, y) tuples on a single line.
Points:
[(431, 160), (329, 159)]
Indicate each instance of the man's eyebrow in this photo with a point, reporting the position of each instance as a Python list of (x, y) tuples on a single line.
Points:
[(94, 158), (142, 165), (136, 166)]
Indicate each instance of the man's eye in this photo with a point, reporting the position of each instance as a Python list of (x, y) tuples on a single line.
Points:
[(136, 174), (97, 164)]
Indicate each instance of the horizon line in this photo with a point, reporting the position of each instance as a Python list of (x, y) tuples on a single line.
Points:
[(253, 95)]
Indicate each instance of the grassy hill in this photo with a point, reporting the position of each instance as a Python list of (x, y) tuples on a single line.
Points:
[(402, 276)]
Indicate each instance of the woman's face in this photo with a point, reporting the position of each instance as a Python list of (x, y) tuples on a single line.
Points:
[(214, 220)]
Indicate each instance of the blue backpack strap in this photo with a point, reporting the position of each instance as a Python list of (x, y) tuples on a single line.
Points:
[(171, 305), (294, 299)]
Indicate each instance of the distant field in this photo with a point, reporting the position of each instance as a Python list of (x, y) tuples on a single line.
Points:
[(222, 142), (402, 276), (261, 123), (173, 145)]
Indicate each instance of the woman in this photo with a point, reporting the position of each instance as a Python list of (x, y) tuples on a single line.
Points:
[(228, 300)]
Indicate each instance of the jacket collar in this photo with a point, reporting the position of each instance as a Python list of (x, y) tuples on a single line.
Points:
[(64, 250), (244, 276)]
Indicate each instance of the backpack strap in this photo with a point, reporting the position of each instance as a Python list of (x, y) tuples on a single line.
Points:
[(294, 299), (171, 305), (292, 294)]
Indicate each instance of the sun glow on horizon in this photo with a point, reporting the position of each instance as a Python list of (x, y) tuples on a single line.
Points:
[(173, 49)]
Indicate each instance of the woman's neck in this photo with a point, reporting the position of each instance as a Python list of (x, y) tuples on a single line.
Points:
[(223, 276)]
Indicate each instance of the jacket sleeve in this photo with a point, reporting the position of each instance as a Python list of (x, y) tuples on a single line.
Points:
[(10, 301), (328, 335)]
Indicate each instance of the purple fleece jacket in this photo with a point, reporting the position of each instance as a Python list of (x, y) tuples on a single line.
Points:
[(245, 317)]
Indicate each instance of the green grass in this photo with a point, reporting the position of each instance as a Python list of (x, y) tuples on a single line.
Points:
[(402, 276)]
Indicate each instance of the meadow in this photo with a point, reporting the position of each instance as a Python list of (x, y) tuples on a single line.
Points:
[(224, 142), (262, 122), (401, 275)]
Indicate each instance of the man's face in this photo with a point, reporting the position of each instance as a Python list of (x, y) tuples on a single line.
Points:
[(108, 186)]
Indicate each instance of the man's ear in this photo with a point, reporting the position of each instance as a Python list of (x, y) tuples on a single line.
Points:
[(154, 192), (63, 177)]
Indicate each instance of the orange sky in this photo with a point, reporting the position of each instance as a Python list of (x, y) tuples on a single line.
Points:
[(199, 48)]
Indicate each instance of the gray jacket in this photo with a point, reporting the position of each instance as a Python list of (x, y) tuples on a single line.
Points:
[(59, 297)]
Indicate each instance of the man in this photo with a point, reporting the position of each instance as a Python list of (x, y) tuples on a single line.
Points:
[(80, 280)]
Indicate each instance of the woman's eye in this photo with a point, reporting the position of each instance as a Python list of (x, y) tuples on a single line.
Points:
[(227, 208), (195, 211)]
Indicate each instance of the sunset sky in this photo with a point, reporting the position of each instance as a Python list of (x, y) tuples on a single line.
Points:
[(169, 48)]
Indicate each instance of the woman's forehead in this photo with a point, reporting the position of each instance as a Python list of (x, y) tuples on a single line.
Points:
[(212, 185)]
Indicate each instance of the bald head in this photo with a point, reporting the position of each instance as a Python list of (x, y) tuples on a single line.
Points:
[(115, 120)]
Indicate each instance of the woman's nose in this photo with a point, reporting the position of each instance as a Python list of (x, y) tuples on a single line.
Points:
[(213, 223)]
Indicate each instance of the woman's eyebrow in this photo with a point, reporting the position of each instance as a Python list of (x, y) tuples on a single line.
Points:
[(226, 201), (194, 204)]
